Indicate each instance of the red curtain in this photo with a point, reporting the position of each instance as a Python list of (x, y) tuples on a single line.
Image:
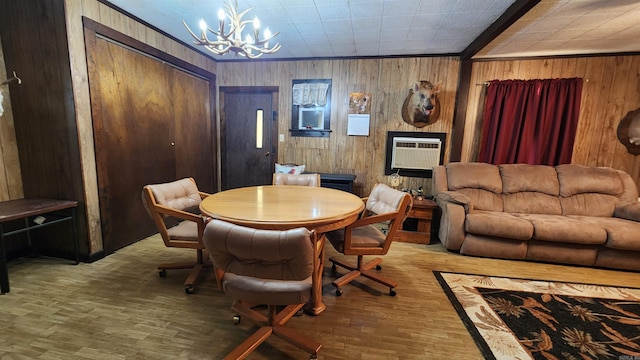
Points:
[(530, 121)]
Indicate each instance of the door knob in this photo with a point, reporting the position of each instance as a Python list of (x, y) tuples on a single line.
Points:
[(267, 153)]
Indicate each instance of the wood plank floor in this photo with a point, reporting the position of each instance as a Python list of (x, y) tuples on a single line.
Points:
[(119, 308)]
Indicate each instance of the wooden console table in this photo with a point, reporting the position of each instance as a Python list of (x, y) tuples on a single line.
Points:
[(422, 210), (36, 213)]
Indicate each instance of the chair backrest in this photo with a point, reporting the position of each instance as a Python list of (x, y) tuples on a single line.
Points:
[(264, 254), (301, 179), (180, 195), (386, 200)]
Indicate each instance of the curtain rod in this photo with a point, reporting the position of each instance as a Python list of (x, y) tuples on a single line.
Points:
[(487, 83)]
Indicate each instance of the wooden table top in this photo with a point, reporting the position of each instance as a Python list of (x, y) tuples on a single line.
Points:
[(284, 206), (21, 208)]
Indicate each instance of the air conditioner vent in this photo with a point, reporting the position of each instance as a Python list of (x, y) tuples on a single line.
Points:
[(415, 153)]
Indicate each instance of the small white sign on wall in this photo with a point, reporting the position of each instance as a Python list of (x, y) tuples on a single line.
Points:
[(358, 124)]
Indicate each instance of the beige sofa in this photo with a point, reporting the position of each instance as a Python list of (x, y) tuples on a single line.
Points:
[(568, 214)]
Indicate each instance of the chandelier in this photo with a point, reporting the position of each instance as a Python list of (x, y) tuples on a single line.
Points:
[(230, 39)]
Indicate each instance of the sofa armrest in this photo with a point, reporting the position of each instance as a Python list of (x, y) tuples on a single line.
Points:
[(454, 207), (455, 197), (629, 210)]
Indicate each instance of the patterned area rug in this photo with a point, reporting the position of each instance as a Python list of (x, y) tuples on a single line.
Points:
[(532, 319)]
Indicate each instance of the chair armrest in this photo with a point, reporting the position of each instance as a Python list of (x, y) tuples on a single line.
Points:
[(629, 210), (454, 197), (203, 194), (184, 215), (373, 219)]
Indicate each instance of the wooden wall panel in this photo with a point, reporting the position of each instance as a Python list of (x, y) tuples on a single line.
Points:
[(95, 10), (388, 80), (10, 175), (611, 89)]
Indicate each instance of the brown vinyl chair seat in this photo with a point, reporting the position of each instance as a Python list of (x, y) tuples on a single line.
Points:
[(267, 267)]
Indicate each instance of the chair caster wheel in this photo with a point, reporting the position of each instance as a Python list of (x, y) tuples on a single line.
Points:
[(392, 292), (299, 312), (162, 273), (378, 267), (236, 319), (313, 357), (188, 290), (334, 267), (339, 292)]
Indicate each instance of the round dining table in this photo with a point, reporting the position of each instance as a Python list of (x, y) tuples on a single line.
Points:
[(283, 207)]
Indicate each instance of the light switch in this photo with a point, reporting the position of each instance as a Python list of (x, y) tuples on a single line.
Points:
[(281, 137)]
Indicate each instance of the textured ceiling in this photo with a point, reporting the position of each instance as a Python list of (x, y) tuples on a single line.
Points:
[(350, 28)]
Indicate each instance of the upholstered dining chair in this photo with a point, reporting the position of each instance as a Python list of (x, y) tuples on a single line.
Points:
[(266, 267), (300, 179), (174, 207), (363, 237)]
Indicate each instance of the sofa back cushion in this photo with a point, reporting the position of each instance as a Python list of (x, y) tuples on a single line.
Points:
[(531, 189), (586, 190), (480, 182), (630, 190)]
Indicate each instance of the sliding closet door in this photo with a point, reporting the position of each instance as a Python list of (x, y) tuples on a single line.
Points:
[(152, 123)]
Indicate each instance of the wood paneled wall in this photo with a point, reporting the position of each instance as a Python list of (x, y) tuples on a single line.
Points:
[(93, 9), (10, 177), (611, 89), (388, 80)]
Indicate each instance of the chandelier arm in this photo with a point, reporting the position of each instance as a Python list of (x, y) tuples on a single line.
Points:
[(192, 33), (232, 41), (264, 50), (221, 33), (216, 50)]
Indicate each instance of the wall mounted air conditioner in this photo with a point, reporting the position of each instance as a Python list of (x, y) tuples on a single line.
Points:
[(414, 153)]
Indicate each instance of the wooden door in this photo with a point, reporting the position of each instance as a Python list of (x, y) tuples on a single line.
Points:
[(152, 124), (246, 162)]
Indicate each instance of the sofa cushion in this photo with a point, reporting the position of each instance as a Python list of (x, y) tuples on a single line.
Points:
[(563, 229), (561, 253), (629, 210), (580, 179), (499, 224), (621, 234), (591, 204), (532, 203), (523, 177), (480, 182), (494, 247), (630, 192), (618, 259), (474, 175), (482, 199)]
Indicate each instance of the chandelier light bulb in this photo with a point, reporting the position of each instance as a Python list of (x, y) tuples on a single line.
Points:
[(267, 36), (231, 41)]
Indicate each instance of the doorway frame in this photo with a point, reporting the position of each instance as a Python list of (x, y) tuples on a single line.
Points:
[(275, 92)]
